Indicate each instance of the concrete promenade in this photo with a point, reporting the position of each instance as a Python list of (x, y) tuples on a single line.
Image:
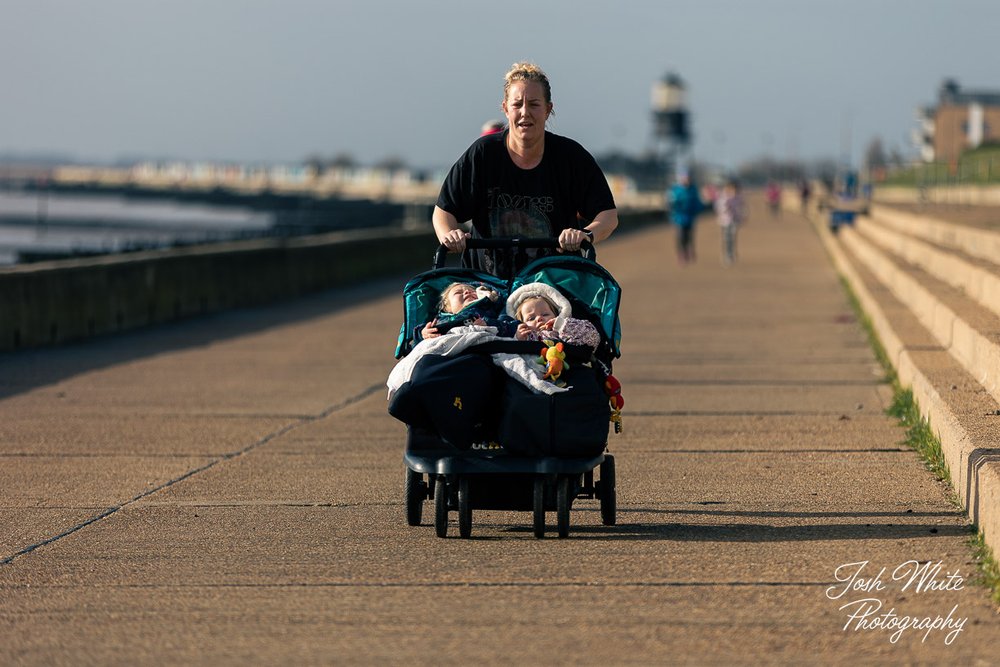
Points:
[(228, 490)]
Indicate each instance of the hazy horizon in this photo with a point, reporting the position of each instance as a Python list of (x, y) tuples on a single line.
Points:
[(271, 82)]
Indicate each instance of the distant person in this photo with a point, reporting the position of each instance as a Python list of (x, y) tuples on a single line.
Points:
[(491, 127), (731, 212), (684, 205), (805, 192), (851, 185), (772, 193), (524, 181)]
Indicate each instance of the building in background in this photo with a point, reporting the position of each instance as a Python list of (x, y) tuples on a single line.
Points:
[(961, 120)]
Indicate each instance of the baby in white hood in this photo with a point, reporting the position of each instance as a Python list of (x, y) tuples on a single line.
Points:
[(544, 313)]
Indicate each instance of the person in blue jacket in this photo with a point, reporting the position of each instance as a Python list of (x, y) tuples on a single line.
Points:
[(684, 205)]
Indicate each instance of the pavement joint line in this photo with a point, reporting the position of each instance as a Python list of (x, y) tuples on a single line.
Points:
[(49, 507), (760, 361), (443, 584), (287, 428), (870, 450), (735, 413), (215, 415), (784, 514), (62, 455), (856, 415), (237, 415), (760, 383), (269, 503)]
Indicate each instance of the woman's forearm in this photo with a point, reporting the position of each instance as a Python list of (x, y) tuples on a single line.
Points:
[(604, 224)]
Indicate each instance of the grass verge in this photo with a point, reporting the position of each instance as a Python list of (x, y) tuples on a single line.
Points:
[(989, 568), (921, 438)]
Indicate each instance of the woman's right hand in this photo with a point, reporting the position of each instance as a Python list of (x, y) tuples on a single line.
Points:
[(454, 240)]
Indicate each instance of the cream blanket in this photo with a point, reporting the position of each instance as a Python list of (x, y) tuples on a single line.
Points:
[(521, 367)]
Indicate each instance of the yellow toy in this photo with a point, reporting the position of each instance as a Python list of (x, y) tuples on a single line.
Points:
[(554, 360)]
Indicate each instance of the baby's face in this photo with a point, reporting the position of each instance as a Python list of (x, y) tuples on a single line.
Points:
[(536, 312), (459, 297)]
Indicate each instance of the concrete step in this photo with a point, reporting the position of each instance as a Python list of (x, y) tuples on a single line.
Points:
[(977, 278), (943, 345), (960, 325), (977, 242)]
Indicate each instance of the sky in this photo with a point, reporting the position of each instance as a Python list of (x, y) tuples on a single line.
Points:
[(277, 81)]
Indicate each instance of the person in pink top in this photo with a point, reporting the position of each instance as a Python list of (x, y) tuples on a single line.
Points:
[(773, 195), (731, 212)]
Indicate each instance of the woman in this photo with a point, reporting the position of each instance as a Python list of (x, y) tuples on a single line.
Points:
[(524, 181)]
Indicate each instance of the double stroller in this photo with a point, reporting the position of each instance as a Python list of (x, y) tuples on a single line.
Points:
[(479, 439)]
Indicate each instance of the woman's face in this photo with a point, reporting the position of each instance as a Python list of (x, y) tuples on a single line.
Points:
[(526, 110), (536, 312)]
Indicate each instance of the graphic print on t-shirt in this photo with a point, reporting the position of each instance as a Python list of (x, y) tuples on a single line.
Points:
[(517, 215)]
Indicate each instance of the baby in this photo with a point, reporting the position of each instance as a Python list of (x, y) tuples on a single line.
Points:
[(544, 313), (462, 304)]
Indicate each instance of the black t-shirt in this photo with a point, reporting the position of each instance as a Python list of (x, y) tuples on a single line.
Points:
[(503, 200)]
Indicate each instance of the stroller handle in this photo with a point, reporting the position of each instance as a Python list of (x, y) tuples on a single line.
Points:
[(587, 248)]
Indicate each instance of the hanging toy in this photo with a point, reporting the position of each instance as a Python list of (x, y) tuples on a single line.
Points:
[(613, 388), (554, 360)]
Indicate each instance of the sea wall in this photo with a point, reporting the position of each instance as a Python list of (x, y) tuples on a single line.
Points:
[(48, 303)]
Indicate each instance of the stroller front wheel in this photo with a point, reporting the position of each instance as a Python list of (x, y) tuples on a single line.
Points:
[(563, 501), (538, 502), (415, 491), (607, 493), (464, 508), (441, 506)]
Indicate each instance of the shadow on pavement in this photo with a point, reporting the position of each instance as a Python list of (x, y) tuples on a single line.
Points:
[(678, 532), (756, 532)]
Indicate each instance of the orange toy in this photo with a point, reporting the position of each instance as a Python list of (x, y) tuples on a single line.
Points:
[(554, 359)]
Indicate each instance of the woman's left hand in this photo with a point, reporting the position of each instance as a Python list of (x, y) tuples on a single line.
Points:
[(571, 239)]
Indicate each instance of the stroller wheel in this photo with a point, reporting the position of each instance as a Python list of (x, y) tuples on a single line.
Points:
[(608, 494), (562, 505), (415, 490), (441, 506), (464, 508), (539, 506)]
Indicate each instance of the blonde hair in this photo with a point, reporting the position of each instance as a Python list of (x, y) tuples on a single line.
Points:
[(443, 303), (520, 308), (528, 72)]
